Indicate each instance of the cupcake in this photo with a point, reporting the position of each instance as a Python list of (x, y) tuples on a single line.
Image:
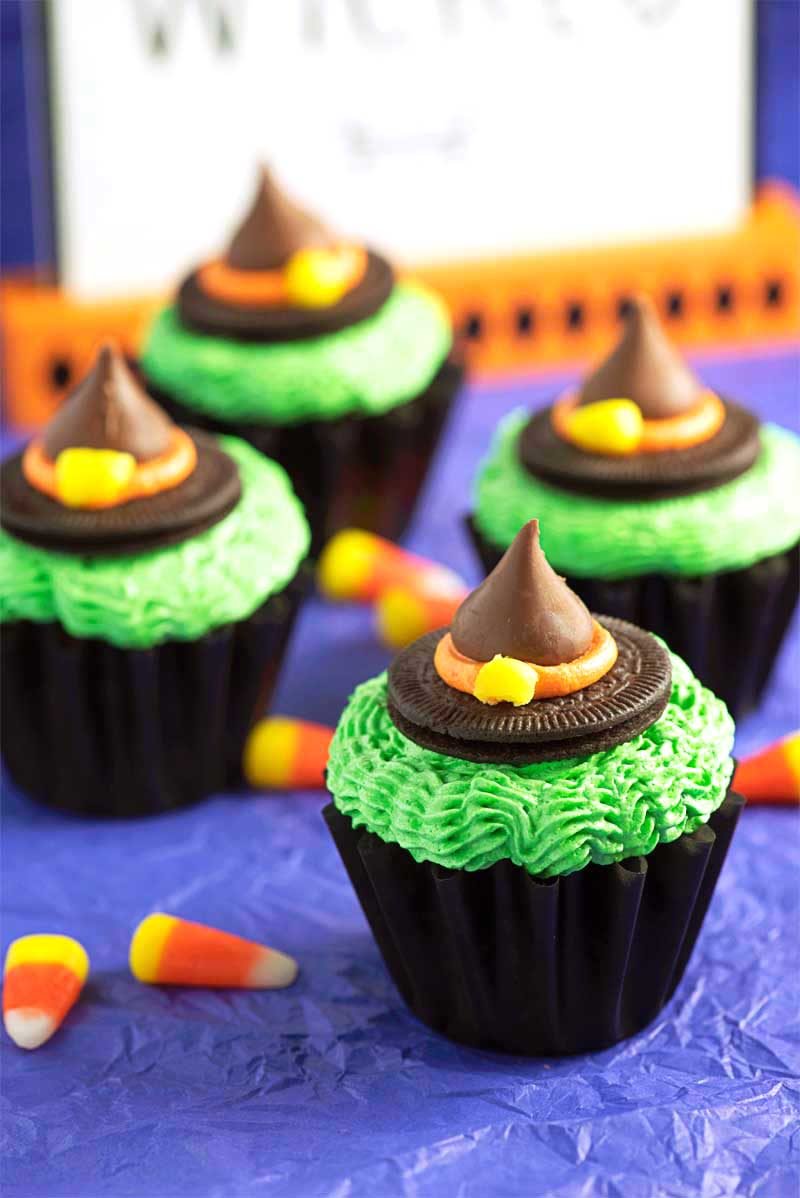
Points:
[(149, 579), (308, 347), (533, 807), (663, 503)]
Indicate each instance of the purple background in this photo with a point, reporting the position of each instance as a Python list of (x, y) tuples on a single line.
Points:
[(331, 1088)]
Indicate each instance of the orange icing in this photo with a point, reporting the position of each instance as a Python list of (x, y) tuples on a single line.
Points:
[(461, 672), (263, 288), (694, 427), (150, 478)]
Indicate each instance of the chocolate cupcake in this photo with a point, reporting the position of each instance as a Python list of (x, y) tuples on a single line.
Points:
[(150, 576), (308, 347), (663, 503), (533, 807)]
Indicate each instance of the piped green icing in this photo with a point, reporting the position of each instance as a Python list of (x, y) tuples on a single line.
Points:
[(551, 818), (369, 368), (726, 528), (176, 593)]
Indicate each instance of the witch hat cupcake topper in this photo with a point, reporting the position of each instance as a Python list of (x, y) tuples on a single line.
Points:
[(645, 368), (523, 610), (274, 229), (112, 474), (109, 410), (526, 673)]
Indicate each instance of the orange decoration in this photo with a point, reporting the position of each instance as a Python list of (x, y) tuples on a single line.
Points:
[(262, 288), (150, 477), (694, 427), (462, 672)]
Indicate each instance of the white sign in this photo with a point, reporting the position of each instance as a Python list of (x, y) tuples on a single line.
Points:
[(435, 129)]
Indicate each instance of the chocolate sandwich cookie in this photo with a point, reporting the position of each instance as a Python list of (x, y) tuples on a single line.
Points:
[(210, 492), (206, 313), (726, 455), (625, 701)]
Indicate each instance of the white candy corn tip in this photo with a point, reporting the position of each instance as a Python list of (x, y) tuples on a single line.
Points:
[(28, 1027), (273, 971)]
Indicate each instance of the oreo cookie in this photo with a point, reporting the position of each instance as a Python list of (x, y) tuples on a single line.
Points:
[(628, 699), (205, 313), (726, 455), (210, 492)]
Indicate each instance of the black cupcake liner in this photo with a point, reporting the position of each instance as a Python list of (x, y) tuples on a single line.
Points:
[(499, 960), (357, 471), (728, 626), (103, 731)]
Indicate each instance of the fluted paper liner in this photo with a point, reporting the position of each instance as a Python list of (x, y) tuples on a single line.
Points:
[(500, 960), (728, 627), (106, 731), (357, 471)]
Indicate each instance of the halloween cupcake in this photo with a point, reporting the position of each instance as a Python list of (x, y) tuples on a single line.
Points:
[(663, 503), (533, 808), (308, 347), (149, 578)]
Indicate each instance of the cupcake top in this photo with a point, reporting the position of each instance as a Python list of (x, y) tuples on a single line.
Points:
[(292, 321), (112, 517), (531, 730)]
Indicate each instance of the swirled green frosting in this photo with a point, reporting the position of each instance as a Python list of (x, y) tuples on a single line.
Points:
[(176, 593), (727, 528), (551, 818), (369, 368)]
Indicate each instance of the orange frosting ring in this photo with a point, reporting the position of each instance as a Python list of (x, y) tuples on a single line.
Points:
[(157, 474), (263, 288), (462, 672), (694, 427)]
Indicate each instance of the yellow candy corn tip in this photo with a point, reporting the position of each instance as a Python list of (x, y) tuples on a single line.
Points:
[(345, 563), (791, 752), (317, 278), (51, 949), (610, 426), (89, 476), (147, 945), (270, 750), (400, 616), (505, 680)]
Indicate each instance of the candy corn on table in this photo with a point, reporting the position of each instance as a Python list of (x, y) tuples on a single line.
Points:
[(331, 1087)]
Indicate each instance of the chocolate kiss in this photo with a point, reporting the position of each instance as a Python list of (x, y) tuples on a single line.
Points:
[(274, 229), (523, 610), (644, 367), (109, 410)]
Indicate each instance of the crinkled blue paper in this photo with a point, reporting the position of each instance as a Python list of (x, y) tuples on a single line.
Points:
[(331, 1088)]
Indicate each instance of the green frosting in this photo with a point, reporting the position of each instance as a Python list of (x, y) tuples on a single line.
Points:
[(176, 593), (727, 528), (551, 818), (368, 368)]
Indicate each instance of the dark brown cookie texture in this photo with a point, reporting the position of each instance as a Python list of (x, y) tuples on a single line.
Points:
[(628, 699), (210, 492), (726, 455), (206, 314)]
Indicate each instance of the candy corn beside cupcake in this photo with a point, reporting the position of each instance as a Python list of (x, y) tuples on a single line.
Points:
[(307, 345), (662, 502), (533, 807), (150, 576)]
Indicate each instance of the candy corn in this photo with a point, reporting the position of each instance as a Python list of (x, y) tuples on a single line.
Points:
[(403, 614), (166, 950), (286, 753), (358, 566), (773, 775), (43, 976)]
